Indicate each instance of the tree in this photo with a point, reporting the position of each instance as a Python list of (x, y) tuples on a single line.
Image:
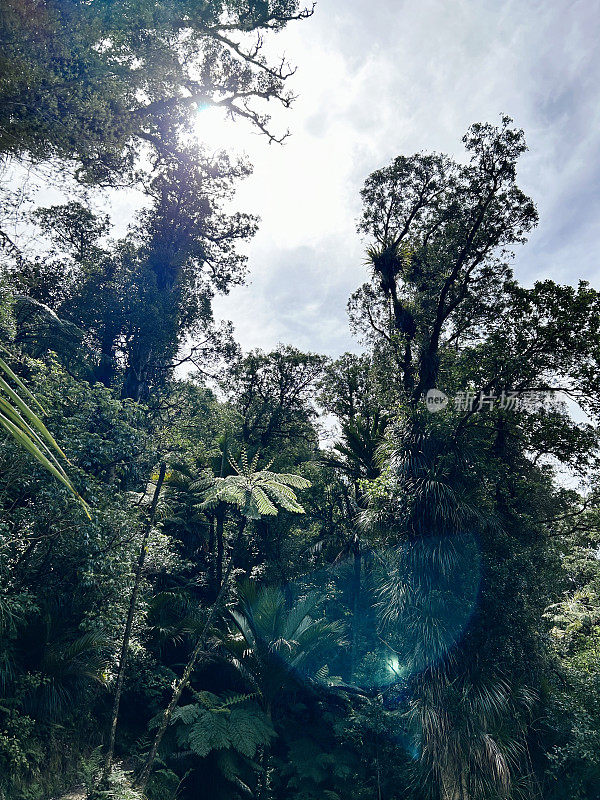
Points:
[(65, 579), (138, 300), (573, 720), (440, 237), (101, 84), (436, 308), (254, 494), (271, 642), (272, 392), (130, 617)]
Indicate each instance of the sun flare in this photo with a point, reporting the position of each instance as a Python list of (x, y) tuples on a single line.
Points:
[(217, 130)]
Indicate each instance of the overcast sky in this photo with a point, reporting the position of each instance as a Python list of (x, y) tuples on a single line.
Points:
[(378, 78)]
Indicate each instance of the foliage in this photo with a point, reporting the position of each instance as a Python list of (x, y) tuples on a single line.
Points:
[(271, 642), (100, 83), (215, 723), (25, 426), (256, 493), (425, 622), (272, 393)]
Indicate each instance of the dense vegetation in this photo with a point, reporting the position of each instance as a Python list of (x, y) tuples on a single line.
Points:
[(203, 596)]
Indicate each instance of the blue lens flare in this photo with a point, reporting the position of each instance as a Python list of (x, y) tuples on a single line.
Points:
[(401, 610)]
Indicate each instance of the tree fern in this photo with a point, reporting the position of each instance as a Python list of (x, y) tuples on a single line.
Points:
[(255, 493), (271, 641)]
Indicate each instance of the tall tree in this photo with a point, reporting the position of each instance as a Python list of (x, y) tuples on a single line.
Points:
[(139, 300), (272, 392), (440, 235), (101, 83), (437, 308)]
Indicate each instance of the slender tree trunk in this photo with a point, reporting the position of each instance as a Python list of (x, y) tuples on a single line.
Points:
[(261, 789), (376, 742), (220, 518), (142, 779), (378, 773), (263, 781), (220, 514), (356, 591), (211, 552), (129, 621)]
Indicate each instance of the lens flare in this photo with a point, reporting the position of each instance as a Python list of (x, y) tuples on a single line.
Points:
[(402, 610), (217, 130)]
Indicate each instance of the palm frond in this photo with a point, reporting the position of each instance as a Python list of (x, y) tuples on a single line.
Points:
[(27, 429)]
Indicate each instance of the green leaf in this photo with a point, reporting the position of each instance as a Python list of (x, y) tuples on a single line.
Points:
[(27, 429)]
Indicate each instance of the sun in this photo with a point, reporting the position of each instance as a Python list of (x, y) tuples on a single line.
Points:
[(217, 130)]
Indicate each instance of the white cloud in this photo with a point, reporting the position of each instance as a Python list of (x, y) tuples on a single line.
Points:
[(380, 78), (384, 77)]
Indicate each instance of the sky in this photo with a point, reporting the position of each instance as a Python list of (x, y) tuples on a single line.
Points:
[(386, 77), (380, 78)]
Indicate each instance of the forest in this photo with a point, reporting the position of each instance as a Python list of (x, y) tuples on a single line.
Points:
[(237, 573)]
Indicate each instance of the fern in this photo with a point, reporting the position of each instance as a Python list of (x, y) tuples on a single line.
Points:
[(249, 729), (186, 714), (222, 724), (209, 732), (255, 493)]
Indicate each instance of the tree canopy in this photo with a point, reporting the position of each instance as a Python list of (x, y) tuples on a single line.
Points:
[(233, 573), (99, 83)]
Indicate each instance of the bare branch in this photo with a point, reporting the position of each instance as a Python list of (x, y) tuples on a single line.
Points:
[(267, 22), (252, 57)]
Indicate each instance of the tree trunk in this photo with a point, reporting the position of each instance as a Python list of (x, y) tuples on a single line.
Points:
[(378, 769), (142, 779), (135, 382), (104, 372), (129, 621), (220, 517), (263, 781), (356, 591), (220, 514), (211, 551)]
